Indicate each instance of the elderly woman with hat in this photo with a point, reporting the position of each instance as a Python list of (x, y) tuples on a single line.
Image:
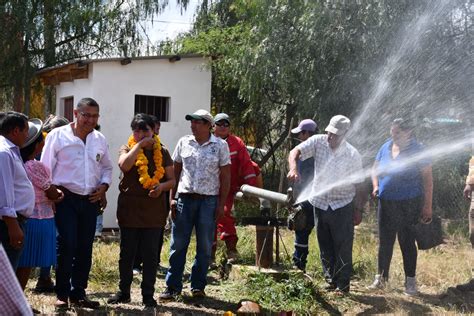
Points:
[(40, 238)]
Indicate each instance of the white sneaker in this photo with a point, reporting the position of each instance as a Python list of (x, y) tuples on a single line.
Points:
[(379, 283), (410, 286)]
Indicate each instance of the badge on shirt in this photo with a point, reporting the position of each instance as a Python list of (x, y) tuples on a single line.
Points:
[(97, 157)]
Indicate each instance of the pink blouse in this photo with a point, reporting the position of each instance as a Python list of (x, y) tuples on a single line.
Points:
[(40, 177)]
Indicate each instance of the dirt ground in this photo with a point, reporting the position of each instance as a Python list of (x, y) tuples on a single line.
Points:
[(438, 270), (358, 302)]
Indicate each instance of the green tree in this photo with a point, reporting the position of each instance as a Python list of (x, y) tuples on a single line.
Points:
[(277, 61), (274, 60), (43, 33)]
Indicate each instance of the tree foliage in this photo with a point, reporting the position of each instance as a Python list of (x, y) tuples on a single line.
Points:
[(43, 33), (278, 61)]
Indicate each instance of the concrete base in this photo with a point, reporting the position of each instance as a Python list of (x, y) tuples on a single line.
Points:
[(237, 271)]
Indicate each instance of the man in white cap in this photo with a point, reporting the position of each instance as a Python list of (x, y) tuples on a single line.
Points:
[(202, 172), (336, 197), (305, 129)]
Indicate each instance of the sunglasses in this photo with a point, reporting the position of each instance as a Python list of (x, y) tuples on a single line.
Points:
[(223, 124)]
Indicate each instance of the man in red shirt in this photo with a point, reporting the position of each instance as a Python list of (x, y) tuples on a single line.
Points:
[(242, 171)]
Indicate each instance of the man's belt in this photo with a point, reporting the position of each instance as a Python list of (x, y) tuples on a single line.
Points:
[(195, 196), (72, 194)]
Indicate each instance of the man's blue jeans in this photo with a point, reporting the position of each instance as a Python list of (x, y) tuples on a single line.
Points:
[(191, 213)]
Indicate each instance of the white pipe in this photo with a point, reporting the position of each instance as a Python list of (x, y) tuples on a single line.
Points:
[(266, 194)]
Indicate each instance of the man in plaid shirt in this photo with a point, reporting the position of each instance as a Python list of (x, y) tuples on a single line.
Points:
[(336, 197), (12, 298)]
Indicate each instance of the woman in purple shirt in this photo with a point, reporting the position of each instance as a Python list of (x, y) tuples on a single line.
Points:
[(402, 182)]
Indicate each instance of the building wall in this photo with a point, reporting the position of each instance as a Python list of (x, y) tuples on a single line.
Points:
[(187, 82), (77, 89)]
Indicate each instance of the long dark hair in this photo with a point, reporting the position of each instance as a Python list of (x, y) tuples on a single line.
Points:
[(28, 150)]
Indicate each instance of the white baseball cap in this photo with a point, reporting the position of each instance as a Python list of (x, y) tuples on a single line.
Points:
[(338, 125)]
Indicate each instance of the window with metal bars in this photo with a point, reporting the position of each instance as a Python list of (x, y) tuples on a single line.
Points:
[(153, 105)]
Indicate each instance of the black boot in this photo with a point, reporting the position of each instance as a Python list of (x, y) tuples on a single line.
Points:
[(119, 298), (44, 285)]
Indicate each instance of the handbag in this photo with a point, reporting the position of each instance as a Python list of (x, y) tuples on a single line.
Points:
[(429, 235)]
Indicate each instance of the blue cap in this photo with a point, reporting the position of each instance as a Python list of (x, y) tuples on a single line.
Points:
[(305, 125)]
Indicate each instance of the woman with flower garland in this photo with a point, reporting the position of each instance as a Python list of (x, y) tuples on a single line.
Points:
[(141, 208)]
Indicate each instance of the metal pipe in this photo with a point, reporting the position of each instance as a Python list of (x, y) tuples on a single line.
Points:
[(239, 196), (266, 194)]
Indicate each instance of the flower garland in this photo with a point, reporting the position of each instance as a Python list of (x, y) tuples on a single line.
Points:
[(142, 163)]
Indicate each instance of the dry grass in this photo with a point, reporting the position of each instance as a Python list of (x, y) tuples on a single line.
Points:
[(438, 269)]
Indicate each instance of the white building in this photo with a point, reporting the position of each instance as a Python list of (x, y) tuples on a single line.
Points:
[(166, 86)]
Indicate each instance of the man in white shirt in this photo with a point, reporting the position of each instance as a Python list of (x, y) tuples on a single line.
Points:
[(202, 170), (336, 197), (78, 157), (17, 197)]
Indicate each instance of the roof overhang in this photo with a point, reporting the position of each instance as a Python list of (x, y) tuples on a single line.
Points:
[(65, 73), (79, 69)]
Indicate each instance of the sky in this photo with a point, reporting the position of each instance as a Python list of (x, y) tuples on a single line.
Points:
[(171, 22)]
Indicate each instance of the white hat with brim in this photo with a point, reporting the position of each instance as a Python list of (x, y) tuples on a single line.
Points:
[(338, 125), (200, 115), (35, 128)]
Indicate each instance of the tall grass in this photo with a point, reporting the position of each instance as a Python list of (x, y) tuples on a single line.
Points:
[(445, 266)]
